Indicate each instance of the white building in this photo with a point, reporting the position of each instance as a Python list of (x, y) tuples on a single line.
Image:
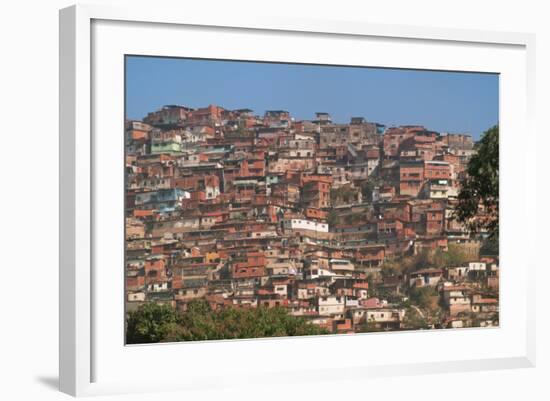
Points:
[(385, 315), (480, 266), (302, 224), (331, 305)]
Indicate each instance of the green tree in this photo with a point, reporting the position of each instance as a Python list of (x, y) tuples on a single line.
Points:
[(332, 218), (422, 296), (489, 247), (478, 200), (367, 187), (199, 322), (150, 323)]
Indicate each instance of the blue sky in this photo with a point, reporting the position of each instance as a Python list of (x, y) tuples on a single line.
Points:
[(441, 101)]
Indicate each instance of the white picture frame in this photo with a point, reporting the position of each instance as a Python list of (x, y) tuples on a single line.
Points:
[(82, 344)]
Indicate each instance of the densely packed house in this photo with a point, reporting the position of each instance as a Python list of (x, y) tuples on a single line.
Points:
[(249, 211)]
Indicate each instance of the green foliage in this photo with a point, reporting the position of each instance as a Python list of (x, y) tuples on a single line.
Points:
[(150, 323), (390, 267), (425, 259), (343, 195), (199, 322), (387, 294), (367, 187), (368, 327), (441, 259), (424, 308), (489, 247), (354, 218), (455, 257), (332, 218), (413, 320), (478, 200), (422, 296)]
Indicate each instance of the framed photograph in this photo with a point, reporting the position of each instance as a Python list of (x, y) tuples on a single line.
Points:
[(290, 200)]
